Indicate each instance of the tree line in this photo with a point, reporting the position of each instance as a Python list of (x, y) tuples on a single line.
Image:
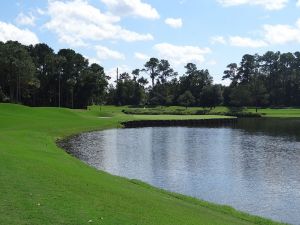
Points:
[(37, 76), (271, 79), (194, 88)]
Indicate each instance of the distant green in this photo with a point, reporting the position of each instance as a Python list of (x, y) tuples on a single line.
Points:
[(41, 184)]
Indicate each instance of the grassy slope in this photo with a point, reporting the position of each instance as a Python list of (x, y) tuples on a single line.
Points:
[(41, 184), (267, 112), (283, 113)]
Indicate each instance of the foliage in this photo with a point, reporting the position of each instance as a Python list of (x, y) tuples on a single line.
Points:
[(270, 79), (36, 76), (186, 99)]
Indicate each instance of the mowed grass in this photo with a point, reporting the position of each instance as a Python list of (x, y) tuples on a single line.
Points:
[(266, 112), (283, 113), (42, 184)]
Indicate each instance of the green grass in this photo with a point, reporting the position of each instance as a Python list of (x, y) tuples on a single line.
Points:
[(42, 184), (176, 117), (283, 113), (171, 110)]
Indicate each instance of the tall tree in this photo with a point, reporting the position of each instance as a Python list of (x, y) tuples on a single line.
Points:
[(74, 65), (248, 67), (232, 74), (165, 71), (151, 67), (258, 92), (17, 70)]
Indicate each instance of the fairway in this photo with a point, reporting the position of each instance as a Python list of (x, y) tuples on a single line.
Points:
[(42, 184)]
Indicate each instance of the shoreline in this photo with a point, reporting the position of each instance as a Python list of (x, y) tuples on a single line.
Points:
[(180, 123), (66, 145)]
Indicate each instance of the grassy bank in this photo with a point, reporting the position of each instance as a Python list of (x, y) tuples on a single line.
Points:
[(282, 113), (219, 110), (42, 184)]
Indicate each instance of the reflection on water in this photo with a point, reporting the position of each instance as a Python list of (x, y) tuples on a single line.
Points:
[(253, 167)]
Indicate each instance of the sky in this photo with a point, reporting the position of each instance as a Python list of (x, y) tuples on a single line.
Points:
[(126, 33)]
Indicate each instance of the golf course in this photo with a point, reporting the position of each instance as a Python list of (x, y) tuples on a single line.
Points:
[(42, 184)]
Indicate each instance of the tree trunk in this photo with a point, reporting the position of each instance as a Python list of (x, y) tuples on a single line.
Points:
[(11, 93), (59, 91), (72, 93)]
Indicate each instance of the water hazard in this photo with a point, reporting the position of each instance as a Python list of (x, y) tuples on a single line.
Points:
[(254, 166)]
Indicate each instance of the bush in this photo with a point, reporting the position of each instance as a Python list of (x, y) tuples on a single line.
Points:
[(236, 112)]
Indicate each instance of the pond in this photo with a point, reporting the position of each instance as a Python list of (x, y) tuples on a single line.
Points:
[(253, 166)]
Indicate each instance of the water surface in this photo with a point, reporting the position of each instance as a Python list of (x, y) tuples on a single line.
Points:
[(254, 167)]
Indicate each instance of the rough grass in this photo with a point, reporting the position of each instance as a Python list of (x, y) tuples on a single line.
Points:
[(42, 184), (219, 110), (283, 113)]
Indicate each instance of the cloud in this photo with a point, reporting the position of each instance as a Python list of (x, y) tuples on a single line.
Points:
[(275, 34), (40, 11), (104, 53), (11, 32), (141, 56), (135, 8), (267, 4), (246, 42), (181, 55), (76, 22), (298, 3), (218, 40), (282, 34), (174, 22), (23, 19)]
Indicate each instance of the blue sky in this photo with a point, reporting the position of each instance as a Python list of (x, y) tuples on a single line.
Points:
[(125, 33)]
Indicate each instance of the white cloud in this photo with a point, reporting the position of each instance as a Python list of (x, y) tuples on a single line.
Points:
[(267, 4), (141, 56), (298, 3), (40, 11), (270, 35), (181, 55), (23, 19), (174, 22), (281, 34), (76, 22), (11, 32), (218, 39), (104, 53), (131, 8), (246, 42)]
